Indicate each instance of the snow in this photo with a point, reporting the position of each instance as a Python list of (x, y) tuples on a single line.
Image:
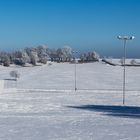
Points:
[(45, 106)]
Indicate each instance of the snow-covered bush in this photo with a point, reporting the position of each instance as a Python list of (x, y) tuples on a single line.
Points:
[(15, 74), (49, 64)]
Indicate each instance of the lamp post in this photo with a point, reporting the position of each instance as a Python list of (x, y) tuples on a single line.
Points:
[(124, 39), (75, 72)]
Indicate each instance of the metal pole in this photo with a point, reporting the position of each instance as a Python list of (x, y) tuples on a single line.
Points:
[(124, 38), (75, 72), (124, 72), (75, 76)]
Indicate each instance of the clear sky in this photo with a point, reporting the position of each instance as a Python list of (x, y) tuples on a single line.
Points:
[(85, 25)]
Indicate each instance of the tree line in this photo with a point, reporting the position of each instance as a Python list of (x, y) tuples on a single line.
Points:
[(42, 54)]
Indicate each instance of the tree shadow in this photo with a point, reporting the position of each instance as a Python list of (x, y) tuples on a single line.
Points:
[(116, 111)]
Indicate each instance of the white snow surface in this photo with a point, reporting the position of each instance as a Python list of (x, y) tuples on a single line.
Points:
[(45, 106)]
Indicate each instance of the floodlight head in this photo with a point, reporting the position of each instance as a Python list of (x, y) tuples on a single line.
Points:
[(132, 37), (125, 37), (119, 37)]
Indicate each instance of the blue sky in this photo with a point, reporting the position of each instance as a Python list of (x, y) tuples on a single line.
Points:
[(85, 25)]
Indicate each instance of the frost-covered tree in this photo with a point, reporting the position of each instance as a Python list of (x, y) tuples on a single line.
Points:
[(95, 56), (60, 54), (6, 61), (33, 56), (42, 54), (5, 58), (133, 62), (65, 53), (89, 57), (82, 58), (21, 57), (53, 55)]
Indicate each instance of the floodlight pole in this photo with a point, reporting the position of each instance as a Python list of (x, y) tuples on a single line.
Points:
[(124, 71), (75, 72), (124, 38), (75, 76)]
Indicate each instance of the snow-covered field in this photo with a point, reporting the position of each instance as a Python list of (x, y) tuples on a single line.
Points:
[(46, 107)]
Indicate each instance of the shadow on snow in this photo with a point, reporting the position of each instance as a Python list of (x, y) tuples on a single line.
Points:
[(116, 111), (9, 79)]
